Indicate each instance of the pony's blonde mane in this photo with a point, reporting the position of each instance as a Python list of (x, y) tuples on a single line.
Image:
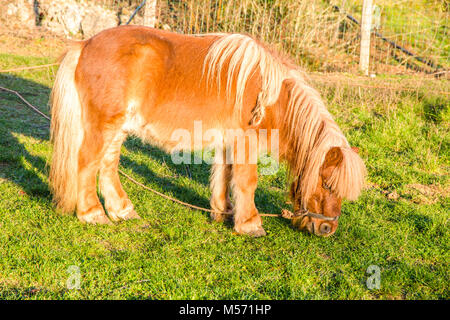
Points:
[(240, 56), (311, 130)]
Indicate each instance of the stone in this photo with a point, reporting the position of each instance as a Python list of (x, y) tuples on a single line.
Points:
[(21, 13), (96, 19), (76, 18)]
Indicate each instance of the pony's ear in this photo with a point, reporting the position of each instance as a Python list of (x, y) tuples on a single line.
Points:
[(333, 158), (355, 149)]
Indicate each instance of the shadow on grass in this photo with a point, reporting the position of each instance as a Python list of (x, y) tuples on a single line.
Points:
[(19, 166), (136, 145), (166, 184)]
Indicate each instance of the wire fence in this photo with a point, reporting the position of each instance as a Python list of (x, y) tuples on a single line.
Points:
[(321, 35), (408, 36), (422, 27)]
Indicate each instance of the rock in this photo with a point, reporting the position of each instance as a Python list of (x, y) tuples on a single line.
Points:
[(62, 17), (71, 18), (97, 19), (76, 18), (21, 13), (11, 9)]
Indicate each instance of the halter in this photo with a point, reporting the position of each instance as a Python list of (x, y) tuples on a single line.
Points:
[(301, 213), (306, 213)]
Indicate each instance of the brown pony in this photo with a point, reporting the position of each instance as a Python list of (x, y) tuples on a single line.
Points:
[(150, 83)]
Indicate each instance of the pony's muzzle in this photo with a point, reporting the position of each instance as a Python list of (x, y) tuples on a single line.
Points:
[(315, 226), (325, 229)]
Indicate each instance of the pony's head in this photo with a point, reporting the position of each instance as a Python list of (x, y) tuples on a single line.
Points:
[(323, 167), (341, 176)]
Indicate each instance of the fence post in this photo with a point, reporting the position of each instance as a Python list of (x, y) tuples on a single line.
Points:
[(150, 13), (366, 22)]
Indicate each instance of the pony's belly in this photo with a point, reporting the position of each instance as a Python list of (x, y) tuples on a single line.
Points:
[(182, 139), (175, 135)]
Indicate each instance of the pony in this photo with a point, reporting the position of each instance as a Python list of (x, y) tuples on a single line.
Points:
[(134, 80)]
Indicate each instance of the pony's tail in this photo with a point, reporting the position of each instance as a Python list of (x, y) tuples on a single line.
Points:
[(66, 132)]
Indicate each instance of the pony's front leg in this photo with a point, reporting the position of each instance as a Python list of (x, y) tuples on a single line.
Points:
[(220, 199), (246, 217)]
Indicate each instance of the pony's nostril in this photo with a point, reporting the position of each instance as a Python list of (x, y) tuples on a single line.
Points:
[(325, 228)]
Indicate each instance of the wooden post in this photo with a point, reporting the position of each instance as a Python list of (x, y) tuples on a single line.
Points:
[(150, 13), (366, 22)]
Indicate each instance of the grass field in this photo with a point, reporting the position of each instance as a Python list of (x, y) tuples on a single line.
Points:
[(399, 224)]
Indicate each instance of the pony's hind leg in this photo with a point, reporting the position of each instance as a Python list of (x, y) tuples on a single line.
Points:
[(117, 204), (89, 208), (246, 217), (220, 198)]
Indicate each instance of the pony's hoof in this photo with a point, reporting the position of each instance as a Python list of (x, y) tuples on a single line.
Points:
[(220, 214), (95, 216), (256, 233), (221, 217), (260, 232), (126, 214), (130, 215)]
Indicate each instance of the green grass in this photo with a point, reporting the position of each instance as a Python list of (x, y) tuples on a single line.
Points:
[(176, 253)]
